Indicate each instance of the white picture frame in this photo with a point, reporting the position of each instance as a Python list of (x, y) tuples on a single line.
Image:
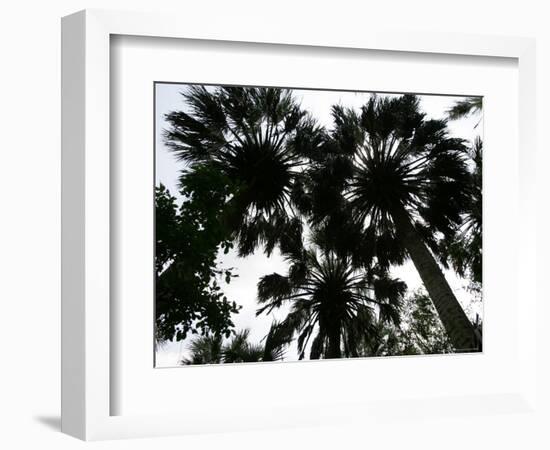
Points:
[(86, 220)]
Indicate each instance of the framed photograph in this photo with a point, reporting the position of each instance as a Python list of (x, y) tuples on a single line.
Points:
[(279, 235), (250, 219)]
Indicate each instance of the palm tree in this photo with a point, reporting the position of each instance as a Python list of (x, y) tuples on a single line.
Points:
[(257, 138), (210, 349), (466, 107), (239, 349), (464, 247), (409, 184), (330, 299), (205, 350)]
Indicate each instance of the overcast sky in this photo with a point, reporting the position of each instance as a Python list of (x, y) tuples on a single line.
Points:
[(250, 269)]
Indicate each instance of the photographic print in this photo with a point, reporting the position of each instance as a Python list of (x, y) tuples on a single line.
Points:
[(304, 224)]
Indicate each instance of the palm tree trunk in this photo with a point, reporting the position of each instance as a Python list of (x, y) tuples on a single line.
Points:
[(457, 325), (333, 350)]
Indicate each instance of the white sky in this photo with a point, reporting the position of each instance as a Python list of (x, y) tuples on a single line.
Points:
[(250, 269)]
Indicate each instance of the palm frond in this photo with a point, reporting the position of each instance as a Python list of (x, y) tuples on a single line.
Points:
[(466, 107)]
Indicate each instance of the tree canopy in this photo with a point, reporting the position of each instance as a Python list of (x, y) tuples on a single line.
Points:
[(343, 204), (189, 295)]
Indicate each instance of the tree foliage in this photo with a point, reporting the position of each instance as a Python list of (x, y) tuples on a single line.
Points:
[(257, 138), (465, 108), (331, 302), (210, 349), (189, 295), (401, 181), (463, 247), (385, 158), (259, 172), (420, 331)]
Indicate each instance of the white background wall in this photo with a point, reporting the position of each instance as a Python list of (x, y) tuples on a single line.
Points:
[(29, 225)]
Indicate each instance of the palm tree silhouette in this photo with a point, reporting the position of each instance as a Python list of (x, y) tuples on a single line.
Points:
[(210, 349), (407, 181), (383, 185), (330, 299), (205, 350), (239, 349), (257, 137), (464, 247)]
